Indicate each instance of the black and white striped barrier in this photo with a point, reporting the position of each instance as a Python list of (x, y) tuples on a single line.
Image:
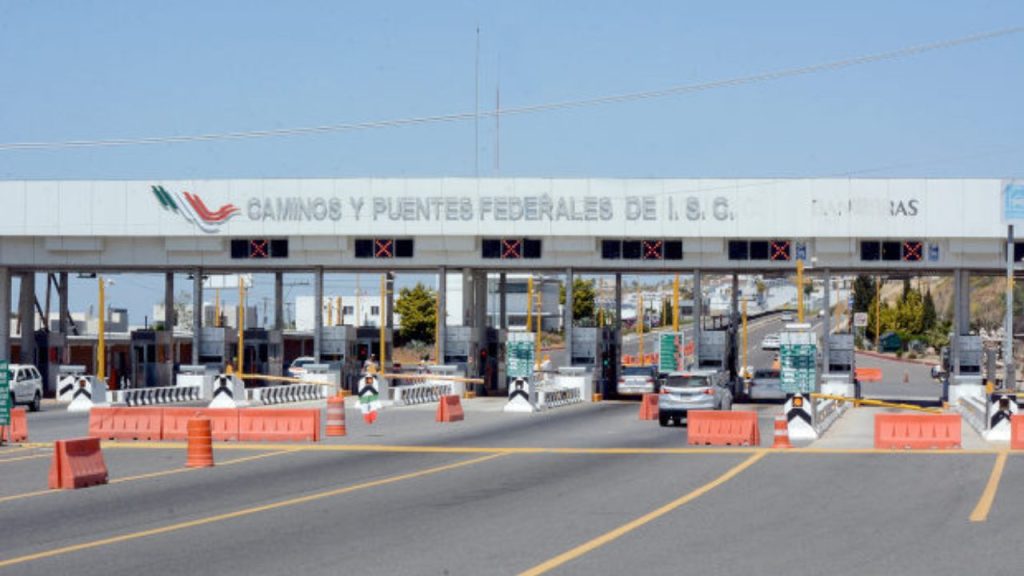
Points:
[(422, 393), (159, 395), (288, 393), (800, 417), (553, 396), (86, 392), (989, 414), (227, 392), (520, 391)]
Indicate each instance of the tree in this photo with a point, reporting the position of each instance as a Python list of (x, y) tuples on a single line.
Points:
[(929, 315), (418, 308), (582, 298), (863, 293)]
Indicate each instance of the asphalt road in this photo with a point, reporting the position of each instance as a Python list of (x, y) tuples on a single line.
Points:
[(505, 494)]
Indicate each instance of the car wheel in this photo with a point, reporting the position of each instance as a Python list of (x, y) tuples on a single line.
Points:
[(663, 419), (37, 403)]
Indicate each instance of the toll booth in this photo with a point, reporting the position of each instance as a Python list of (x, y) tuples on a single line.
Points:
[(368, 344), (490, 363), (840, 366), (217, 347), (594, 349), (338, 351), (258, 347), (717, 351), (145, 368), (972, 354)]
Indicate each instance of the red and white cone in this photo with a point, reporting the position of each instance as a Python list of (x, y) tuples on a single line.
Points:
[(781, 433)]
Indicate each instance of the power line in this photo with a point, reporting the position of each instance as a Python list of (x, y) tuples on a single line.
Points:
[(531, 109)]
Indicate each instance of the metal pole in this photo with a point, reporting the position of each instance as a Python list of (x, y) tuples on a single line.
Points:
[(197, 313), (279, 300), (169, 358), (5, 314), (380, 318), (675, 304), (442, 314), (640, 322), (698, 313), (744, 367), (318, 311), (65, 315), (240, 317), (540, 324), (529, 303), (878, 310), (800, 291), (101, 351), (570, 280), (502, 301), (827, 321), (1009, 380)]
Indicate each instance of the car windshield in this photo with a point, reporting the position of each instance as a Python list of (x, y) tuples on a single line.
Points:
[(686, 382), (761, 373), (636, 371), (301, 362)]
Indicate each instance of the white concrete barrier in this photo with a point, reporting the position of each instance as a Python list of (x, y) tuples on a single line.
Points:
[(288, 393), (800, 418), (88, 392), (521, 394), (422, 393), (158, 395), (228, 392)]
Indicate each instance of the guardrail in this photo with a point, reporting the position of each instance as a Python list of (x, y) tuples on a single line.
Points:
[(289, 393), (423, 393), (157, 395)]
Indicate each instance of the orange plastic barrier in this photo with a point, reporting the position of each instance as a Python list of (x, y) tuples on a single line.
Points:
[(716, 428), (336, 416), (299, 424), (916, 431), (781, 433), (649, 407), (223, 422), (449, 409), (1017, 432), (125, 423), (868, 374), (18, 430), (689, 349), (77, 463), (200, 443)]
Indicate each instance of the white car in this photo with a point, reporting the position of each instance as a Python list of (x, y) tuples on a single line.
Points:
[(26, 386), (770, 342), (298, 366), (787, 317)]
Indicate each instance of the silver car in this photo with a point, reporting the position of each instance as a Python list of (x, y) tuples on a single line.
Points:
[(766, 384), (636, 380), (695, 390)]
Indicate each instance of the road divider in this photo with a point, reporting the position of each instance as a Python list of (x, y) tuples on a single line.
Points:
[(649, 407), (110, 423), (918, 431), (223, 422), (18, 430), (1017, 432), (716, 428), (449, 409), (77, 463), (272, 425)]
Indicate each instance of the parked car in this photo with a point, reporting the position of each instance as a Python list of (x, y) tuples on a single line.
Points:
[(787, 317), (765, 384), (636, 380), (26, 386), (695, 390), (298, 366), (770, 342)]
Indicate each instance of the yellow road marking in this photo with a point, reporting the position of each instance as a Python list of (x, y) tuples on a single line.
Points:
[(980, 513), (634, 524), (148, 475), (243, 512), (19, 458), (417, 449)]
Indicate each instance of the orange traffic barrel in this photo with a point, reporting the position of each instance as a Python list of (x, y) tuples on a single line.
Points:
[(336, 416), (781, 433), (200, 443)]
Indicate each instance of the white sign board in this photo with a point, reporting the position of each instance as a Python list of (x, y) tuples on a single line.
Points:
[(860, 320)]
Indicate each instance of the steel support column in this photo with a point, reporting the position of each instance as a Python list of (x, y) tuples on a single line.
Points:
[(442, 312), (698, 314), (568, 312), (279, 301), (197, 313), (27, 318), (318, 312), (5, 314)]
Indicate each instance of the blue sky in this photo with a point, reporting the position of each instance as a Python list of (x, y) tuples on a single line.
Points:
[(111, 69)]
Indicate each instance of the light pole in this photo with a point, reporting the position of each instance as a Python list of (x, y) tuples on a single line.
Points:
[(101, 349)]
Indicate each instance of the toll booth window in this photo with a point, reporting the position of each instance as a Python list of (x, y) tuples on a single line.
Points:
[(258, 248), (611, 249), (631, 249), (758, 249), (870, 251), (1018, 251), (383, 248), (673, 250), (738, 250)]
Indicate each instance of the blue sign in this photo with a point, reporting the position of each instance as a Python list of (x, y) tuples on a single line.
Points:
[(933, 252), (1013, 202), (801, 251)]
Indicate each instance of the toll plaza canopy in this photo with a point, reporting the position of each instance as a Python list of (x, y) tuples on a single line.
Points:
[(527, 223)]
